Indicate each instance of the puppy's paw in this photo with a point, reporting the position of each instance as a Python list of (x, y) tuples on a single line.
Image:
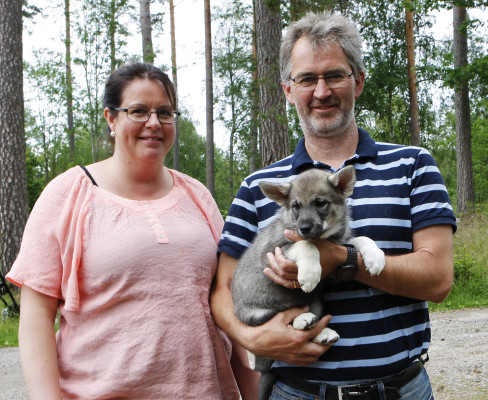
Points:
[(307, 257), (309, 278), (374, 261), (305, 321), (326, 337), (373, 256)]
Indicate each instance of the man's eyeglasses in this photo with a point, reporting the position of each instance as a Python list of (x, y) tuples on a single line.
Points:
[(333, 81), (142, 114)]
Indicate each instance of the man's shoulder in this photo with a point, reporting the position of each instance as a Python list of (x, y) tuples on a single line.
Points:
[(281, 170)]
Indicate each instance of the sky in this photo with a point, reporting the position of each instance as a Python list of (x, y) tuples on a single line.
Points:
[(190, 57)]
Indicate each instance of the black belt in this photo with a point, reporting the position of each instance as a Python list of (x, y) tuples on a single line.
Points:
[(370, 391)]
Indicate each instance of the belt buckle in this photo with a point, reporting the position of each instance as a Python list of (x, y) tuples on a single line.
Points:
[(339, 390)]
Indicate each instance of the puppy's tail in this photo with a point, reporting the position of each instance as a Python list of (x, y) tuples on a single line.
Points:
[(265, 387)]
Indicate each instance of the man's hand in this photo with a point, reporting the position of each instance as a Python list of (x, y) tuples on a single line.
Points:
[(278, 339)]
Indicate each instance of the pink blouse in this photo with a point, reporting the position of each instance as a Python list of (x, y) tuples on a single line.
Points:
[(133, 279)]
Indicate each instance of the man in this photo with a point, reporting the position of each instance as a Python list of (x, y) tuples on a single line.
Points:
[(399, 201)]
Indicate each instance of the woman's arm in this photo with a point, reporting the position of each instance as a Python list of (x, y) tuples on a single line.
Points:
[(37, 344), (246, 378)]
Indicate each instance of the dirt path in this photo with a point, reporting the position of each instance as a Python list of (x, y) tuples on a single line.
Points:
[(458, 365)]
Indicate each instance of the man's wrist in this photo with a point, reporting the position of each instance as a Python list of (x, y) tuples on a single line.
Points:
[(348, 270)]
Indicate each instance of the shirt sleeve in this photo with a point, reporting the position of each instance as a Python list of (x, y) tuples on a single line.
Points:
[(430, 204), (51, 246)]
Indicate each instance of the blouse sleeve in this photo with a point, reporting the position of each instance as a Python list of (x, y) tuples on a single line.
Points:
[(51, 246)]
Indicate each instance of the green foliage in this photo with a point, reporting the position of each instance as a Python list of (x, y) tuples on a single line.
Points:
[(470, 287)]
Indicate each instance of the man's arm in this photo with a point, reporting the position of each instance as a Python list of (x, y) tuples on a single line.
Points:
[(276, 339), (424, 274)]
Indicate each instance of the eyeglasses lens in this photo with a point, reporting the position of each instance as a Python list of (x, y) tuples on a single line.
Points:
[(139, 114)]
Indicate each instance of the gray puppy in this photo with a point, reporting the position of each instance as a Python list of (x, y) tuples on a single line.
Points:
[(313, 205)]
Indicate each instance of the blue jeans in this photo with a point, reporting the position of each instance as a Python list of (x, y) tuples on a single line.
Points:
[(418, 388)]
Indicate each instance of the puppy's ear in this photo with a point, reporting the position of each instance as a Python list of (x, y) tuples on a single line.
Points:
[(278, 192), (344, 180)]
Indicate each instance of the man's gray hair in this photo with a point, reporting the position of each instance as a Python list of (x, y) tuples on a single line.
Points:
[(322, 29)]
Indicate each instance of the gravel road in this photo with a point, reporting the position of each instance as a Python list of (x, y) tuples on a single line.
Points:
[(458, 365)]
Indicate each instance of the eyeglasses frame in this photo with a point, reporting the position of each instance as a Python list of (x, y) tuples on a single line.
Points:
[(324, 77), (126, 110)]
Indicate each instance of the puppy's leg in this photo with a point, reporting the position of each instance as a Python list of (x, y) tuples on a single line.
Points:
[(307, 257), (374, 258), (308, 320), (305, 321), (327, 336)]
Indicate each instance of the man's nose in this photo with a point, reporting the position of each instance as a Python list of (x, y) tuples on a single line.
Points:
[(322, 89)]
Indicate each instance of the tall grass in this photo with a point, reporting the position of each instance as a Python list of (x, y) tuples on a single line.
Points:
[(470, 288)]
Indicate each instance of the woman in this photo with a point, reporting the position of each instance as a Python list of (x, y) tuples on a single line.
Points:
[(125, 249)]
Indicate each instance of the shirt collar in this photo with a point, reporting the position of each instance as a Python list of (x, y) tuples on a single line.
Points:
[(366, 149)]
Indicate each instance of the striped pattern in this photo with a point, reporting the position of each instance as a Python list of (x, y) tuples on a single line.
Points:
[(398, 191)]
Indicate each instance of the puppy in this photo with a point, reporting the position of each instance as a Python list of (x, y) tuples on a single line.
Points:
[(313, 205)]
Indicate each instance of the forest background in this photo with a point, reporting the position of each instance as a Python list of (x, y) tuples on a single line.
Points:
[(406, 100)]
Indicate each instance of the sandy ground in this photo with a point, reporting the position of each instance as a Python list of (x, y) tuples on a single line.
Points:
[(458, 365)]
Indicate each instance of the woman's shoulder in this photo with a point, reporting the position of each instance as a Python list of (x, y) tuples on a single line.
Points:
[(67, 185), (188, 182)]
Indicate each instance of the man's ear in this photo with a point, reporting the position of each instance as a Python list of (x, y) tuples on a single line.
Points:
[(110, 118), (288, 95), (359, 85)]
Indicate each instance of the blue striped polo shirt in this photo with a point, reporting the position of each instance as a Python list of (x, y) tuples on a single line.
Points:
[(398, 191)]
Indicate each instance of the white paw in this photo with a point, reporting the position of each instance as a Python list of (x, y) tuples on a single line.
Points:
[(327, 336), (310, 277), (305, 321), (373, 256), (307, 257)]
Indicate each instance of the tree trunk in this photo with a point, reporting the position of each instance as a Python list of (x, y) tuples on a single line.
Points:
[(146, 30), (254, 131), (465, 183), (176, 145), (412, 78), (69, 85), (111, 35), (13, 181), (209, 100), (272, 106)]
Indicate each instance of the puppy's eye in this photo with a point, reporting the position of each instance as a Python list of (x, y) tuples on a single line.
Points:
[(320, 203), (295, 206)]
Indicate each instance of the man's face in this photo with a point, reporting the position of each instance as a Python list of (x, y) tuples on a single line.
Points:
[(323, 112)]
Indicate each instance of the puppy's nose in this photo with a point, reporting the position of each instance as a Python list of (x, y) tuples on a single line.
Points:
[(305, 227)]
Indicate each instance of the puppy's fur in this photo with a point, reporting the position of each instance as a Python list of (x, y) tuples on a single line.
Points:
[(314, 205)]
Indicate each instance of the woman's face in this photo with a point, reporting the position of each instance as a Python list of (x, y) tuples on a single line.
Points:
[(146, 141)]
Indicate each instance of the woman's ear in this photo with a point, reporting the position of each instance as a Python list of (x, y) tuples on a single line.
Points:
[(110, 118)]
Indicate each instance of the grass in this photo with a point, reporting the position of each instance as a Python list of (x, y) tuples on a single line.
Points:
[(470, 289), (8, 332)]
